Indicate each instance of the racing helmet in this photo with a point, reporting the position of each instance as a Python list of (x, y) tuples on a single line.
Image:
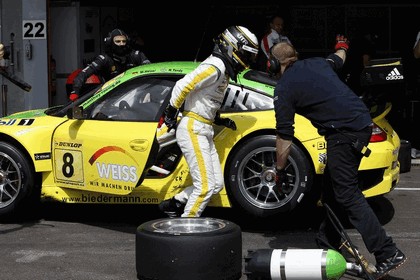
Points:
[(119, 50), (239, 45)]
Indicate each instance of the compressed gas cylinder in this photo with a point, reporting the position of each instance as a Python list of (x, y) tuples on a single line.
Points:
[(293, 264)]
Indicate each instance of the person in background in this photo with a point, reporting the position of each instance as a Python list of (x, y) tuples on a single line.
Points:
[(273, 35), (118, 57), (201, 94), (416, 48), (312, 88)]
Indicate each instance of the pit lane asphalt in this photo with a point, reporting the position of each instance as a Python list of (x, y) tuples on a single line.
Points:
[(98, 242)]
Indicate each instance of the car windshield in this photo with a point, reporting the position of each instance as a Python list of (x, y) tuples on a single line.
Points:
[(140, 99)]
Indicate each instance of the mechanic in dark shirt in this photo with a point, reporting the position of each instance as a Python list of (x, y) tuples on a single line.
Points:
[(118, 57), (312, 88)]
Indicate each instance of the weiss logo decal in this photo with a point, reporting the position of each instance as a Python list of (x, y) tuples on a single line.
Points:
[(117, 172)]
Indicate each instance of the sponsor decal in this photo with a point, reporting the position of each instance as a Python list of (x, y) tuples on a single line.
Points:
[(113, 171), (22, 122), (322, 158), (394, 75), (68, 144), (42, 156), (26, 122), (107, 149), (321, 145), (117, 172)]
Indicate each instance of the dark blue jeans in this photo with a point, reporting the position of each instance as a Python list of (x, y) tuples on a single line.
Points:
[(342, 193)]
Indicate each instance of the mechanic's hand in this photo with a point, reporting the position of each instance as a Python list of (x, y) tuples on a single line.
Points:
[(73, 96), (282, 184), (229, 123), (171, 114), (341, 43)]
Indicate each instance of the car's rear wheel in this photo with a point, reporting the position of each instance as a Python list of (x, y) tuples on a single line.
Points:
[(251, 178), (16, 179), (189, 248)]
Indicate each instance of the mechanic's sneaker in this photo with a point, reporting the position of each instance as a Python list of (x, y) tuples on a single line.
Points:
[(390, 264), (172, 207)]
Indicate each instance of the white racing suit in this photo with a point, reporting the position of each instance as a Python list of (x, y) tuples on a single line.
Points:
[(202, 92)]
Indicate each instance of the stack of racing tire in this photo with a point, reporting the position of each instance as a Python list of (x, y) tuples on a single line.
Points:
[(189, 249)]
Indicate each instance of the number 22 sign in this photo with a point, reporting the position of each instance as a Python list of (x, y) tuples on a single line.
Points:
[(34, 29)]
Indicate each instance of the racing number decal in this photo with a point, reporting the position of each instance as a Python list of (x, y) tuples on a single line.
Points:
[(68, 169), (69, 166), (34, 29)]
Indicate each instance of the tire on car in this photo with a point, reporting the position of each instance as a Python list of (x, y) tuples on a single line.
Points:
[(16, 179), (188, 248), (251, 178)]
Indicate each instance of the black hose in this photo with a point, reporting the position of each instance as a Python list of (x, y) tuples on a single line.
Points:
[(340, 229)]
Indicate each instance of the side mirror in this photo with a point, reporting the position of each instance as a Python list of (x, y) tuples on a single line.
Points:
[(75, 113)]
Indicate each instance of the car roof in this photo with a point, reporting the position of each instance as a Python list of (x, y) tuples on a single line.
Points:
[(249, 77)]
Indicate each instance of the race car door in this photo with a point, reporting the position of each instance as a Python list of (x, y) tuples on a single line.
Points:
[(108, 150)]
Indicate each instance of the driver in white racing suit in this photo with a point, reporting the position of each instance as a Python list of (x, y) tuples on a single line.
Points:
[(201, 94)]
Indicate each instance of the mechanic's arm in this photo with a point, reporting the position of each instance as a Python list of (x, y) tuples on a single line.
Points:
[(284, 114), (342, 54), (81, 78), (282, 151), (144, 59), (338, 58), (416, 49)]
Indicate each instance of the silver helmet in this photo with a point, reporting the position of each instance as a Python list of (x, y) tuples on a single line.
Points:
[(239, 46)]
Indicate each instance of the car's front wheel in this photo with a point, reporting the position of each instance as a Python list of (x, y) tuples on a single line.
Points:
[(16, 178), (251, 178)]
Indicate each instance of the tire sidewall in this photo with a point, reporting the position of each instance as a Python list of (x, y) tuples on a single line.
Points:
[(165, 255), (26, 174)]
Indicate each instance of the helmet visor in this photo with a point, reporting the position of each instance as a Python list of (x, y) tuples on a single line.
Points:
[(246, 56)]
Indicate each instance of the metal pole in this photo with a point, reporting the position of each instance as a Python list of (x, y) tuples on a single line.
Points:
[(4, 99)]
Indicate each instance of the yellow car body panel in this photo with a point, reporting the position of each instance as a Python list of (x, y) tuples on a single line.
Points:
[(34, 135), (152, 190), (84, 159)]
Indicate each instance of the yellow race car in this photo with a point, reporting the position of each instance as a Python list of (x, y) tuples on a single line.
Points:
[(110, 147)]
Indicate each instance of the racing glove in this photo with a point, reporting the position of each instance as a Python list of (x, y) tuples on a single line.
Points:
[(73, 96), (282, 184), (341, 43), (170, 119), (229, 123)]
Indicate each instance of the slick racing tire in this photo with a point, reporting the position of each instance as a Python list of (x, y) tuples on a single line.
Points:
[(188, 249), (16, 179), (251, 178)]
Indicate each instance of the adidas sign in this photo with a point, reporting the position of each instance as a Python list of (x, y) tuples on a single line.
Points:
[(394, 75)]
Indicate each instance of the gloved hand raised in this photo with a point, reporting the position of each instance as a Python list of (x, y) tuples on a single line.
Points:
[(73, 96), (171, 114), (229, 123), (341, 43)]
